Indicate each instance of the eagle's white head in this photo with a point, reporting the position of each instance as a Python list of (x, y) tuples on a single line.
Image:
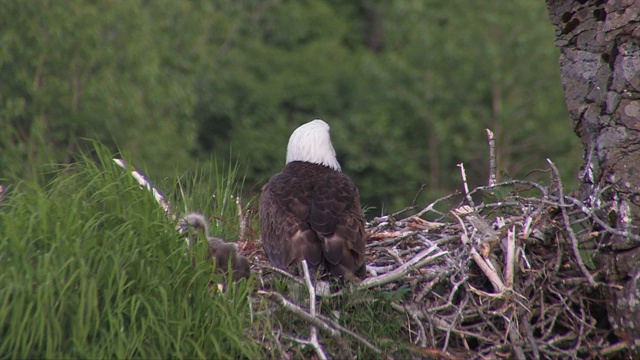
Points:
[(311, 143)]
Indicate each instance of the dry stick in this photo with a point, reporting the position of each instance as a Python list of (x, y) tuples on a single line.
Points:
[(572, 235), (422, 335), (493, 164), (394, 255), (359, 338), (538, 187), (313, 337), (486, 269), (375, 270), (615, 348), (464, 183), (416, 262), (430, 206), (515, 341), (510, 257), (242, 220), (142, 180), (494, 278), (532, 340), (280, 271), (452, 324), (298, 311), (324, 323), (606, 226)]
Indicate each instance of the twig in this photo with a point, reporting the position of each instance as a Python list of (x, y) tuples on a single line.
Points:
[(415, 315), (514, 336), (242, 220), (510, 257), (280, 271), (463, 174), (416, 262), (453, 324), (486, 269), (615, 348), (429, 286), (299, 312), (394, 255), (391, 238), (452, 293), (493, 165), (324, 323), (375, 270), (587, 211), (430, 206), (355, 336), (313, 337), (572, 235), (415, 198), (539, 187), (142, 180)]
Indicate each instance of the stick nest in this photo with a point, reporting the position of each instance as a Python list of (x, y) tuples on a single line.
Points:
[(511, 278)]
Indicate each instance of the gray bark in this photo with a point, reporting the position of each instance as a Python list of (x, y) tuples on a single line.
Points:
[(599, 42)]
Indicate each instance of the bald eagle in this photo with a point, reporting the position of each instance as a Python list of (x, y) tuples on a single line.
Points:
[(311, 210)]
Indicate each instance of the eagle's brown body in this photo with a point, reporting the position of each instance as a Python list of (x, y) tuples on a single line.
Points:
[(311, 211)]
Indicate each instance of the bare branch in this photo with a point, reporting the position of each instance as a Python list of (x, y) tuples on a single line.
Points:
[(463, 174), (510, 257), (146, 184), (572, 235), (242, 220), (486, 269), (493, 165), (416, 262), (299, 312), (313, 337)]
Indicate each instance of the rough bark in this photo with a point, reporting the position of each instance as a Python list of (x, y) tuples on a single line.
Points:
[(600, 70)]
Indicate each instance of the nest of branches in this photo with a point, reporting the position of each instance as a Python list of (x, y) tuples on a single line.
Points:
[(511, 278), (501, 280)]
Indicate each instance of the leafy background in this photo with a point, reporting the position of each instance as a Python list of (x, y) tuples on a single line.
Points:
[(407, 86)]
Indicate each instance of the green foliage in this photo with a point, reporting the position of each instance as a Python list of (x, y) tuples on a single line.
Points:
[(407, 86), (405, 112), (367, 313), (93, 269), (211, 188), (95, 69), (370, 312)]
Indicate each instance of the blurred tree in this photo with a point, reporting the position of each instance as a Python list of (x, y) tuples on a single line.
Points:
[(407, 86), (475, 65), (96, 69)]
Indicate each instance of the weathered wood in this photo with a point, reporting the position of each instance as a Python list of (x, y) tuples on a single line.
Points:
[(600, 70)]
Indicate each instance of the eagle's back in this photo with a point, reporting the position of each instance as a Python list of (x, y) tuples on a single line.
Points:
[(309, 211)]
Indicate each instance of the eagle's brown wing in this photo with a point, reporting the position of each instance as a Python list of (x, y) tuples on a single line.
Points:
[(311, 212), (337, 218), (285, 203)]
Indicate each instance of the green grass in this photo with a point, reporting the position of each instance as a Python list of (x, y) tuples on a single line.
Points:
[(211, 188), (92, 268)]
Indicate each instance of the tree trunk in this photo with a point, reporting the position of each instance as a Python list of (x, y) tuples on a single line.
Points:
[(599, 42)]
